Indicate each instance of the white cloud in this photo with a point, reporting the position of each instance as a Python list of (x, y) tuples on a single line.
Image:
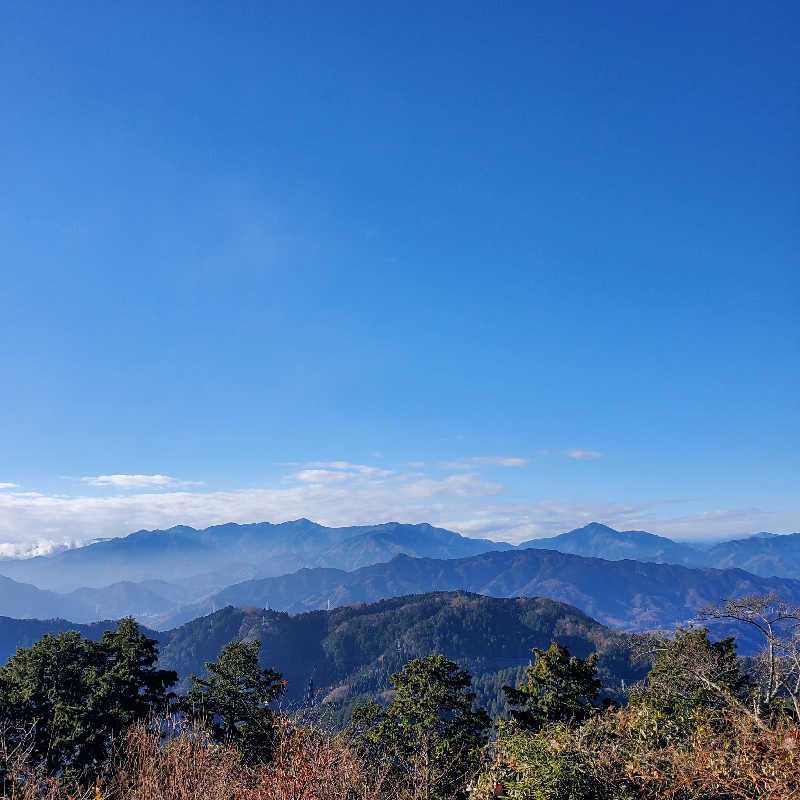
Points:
[(341, 493), (9, 486), (32, 522), (321, 476), (497, 461), (518, 522), (584, 455), (136, 481), (467, 484)]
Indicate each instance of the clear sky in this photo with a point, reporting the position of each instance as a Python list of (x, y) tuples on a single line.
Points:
[(506, 267)]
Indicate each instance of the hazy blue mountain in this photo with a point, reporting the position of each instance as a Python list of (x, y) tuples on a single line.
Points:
[(178, 552), (384, 542), (22, 600), (170, 591), (307, 589), (764, 554), (626, 594), (171, 576), (117, 600), (600, 541), (224, 554)]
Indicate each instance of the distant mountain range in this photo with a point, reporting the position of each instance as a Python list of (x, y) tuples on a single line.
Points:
[(350, 652), (225, 554), (600, 541), (168, 577), (23, 600), (629, 595), (764, 554)]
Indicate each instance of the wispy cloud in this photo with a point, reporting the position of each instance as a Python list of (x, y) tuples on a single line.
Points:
[(500, 461), (497, 461), (584, 455), (321, 476), (347, 466), (120, 481), (9, 486)]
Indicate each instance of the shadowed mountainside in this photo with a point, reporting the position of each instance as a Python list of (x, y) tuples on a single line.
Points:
[(629, 595)]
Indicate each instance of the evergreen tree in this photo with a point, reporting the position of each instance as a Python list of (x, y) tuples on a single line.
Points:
[(47, 693), (129, 686), (691, 673), (68, 697), (430, 735), (557, 688), (234, 700)]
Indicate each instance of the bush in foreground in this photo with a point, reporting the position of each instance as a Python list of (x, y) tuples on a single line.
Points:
[(629, 755)]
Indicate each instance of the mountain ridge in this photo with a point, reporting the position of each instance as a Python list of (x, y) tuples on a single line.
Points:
[(626, 594), (242, 553), (256, 549)]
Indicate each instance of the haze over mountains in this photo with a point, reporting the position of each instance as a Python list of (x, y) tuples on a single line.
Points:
[(25, 601), (764, 554), (224, 554), (165, 578)]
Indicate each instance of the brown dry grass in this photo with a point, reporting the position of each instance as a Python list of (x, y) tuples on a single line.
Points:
[(728, 761), (308, 765)]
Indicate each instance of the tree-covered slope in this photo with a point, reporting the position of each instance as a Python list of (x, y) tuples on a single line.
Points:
[(352, 650)]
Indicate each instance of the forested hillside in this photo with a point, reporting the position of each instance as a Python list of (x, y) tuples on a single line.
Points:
[(352, 650)]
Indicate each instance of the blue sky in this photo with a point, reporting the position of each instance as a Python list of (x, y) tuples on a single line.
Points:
[(524, 266)]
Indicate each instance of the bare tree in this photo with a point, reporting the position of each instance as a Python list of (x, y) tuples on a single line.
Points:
[(778, 665)]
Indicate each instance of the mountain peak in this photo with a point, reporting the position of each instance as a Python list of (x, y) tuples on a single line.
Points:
[(597, 527)]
